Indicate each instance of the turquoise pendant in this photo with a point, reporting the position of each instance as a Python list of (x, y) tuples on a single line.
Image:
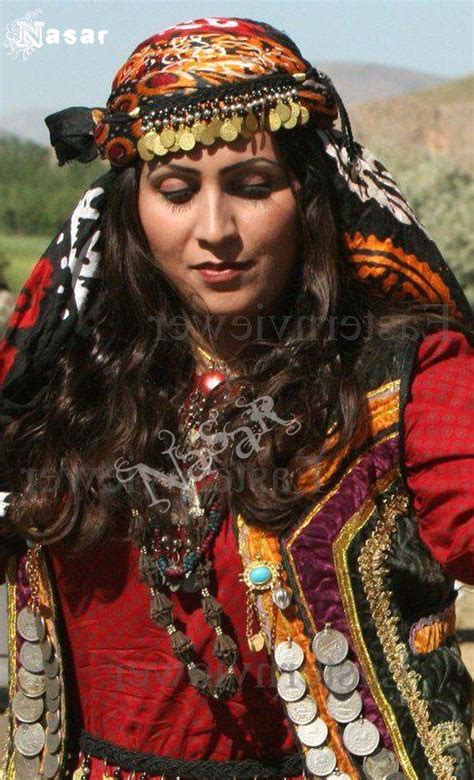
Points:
[(260, 574)]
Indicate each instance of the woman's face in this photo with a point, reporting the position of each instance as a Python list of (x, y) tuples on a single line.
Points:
[(231, 206)]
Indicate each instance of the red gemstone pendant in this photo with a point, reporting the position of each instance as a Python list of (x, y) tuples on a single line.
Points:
[(209, 380)]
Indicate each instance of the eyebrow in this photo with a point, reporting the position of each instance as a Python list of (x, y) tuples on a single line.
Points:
[(196, 172)]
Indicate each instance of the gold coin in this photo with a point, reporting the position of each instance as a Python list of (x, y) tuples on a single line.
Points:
[(149, 138), (187, 141), (292, 122), (251, 123), (158, 147), (237, 123), (167, 138), (283, 111), (143, 150), (228, 131), (215, 127), (197, 130), (295, 108), (304, 115), (207, 137), (273, 121)]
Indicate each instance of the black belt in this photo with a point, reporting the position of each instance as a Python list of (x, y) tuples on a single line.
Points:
[(131, 760)]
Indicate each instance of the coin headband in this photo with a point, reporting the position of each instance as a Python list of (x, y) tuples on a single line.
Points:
[(196, 83)]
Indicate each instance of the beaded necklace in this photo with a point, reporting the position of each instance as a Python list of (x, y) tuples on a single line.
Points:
[(162, 566)]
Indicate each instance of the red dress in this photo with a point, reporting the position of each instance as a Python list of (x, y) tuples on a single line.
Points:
[(132, 691)]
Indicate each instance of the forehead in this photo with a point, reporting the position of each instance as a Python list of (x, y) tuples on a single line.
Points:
[(222, 154)]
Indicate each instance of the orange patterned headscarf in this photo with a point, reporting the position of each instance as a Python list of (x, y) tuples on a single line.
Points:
[(198, 82)]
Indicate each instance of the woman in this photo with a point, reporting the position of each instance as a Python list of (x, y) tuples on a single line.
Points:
[(231, 533)]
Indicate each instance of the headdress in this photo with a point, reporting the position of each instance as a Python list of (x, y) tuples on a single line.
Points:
[(192, 84)]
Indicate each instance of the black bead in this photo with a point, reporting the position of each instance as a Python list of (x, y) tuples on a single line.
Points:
[(117, 774)]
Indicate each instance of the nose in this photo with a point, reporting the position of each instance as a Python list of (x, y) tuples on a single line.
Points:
[(215, 219)]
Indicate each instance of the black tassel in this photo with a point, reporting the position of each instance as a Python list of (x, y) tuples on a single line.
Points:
[(226, 685), (161, 609), (225, 649), (71, 133)]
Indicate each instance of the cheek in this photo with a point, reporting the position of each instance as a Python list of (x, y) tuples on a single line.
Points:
[(161, 227), (277, 229)]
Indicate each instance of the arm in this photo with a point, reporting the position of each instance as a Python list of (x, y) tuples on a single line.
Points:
[(439, 449)]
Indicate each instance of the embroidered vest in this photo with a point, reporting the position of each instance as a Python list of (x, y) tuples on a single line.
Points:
[(355, 561)]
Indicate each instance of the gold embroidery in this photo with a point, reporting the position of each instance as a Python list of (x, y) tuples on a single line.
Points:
[(373, 573), (340, 548), (451, 732)]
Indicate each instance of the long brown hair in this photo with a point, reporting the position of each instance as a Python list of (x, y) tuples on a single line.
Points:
[(113, 393)]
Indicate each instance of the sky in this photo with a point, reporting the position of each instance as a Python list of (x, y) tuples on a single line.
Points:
[(434, 36)]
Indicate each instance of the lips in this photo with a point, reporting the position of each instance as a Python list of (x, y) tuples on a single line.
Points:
[(222, 266)]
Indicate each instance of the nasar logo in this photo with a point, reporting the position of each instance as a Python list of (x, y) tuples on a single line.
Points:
[(25, 35)]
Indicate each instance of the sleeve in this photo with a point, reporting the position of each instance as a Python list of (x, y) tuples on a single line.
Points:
[(439, 449)]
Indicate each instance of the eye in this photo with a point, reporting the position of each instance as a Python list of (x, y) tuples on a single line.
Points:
[(178, 198), (252, 187)]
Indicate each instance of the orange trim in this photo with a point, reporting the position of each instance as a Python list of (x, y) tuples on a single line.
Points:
[(427, 635), (287, 624)]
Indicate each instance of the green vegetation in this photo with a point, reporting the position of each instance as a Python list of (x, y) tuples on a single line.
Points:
[(37, 196)]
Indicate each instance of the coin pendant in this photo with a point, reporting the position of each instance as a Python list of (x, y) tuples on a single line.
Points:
[(303, 711), (40, 626), (251, 122), (342, 678), (31, 657), (149, 139), (167, 137), (361, 737), (50, 765), (378, 766), (53, 703), (187, 141), (330, 647), (29, 738), (283, 111), (51, 667), (25, 709), (215, 127), (158, 147), (273, 120), (145, 153), (53, 687), (291, 686), (207, 137), (46, 649), (26, 768), (321, 761), (344, 708), (26, 625), (304, 115), (53, 742), (32, 685), (289, 656), (53, 721), (228, 131), (313, 734)]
